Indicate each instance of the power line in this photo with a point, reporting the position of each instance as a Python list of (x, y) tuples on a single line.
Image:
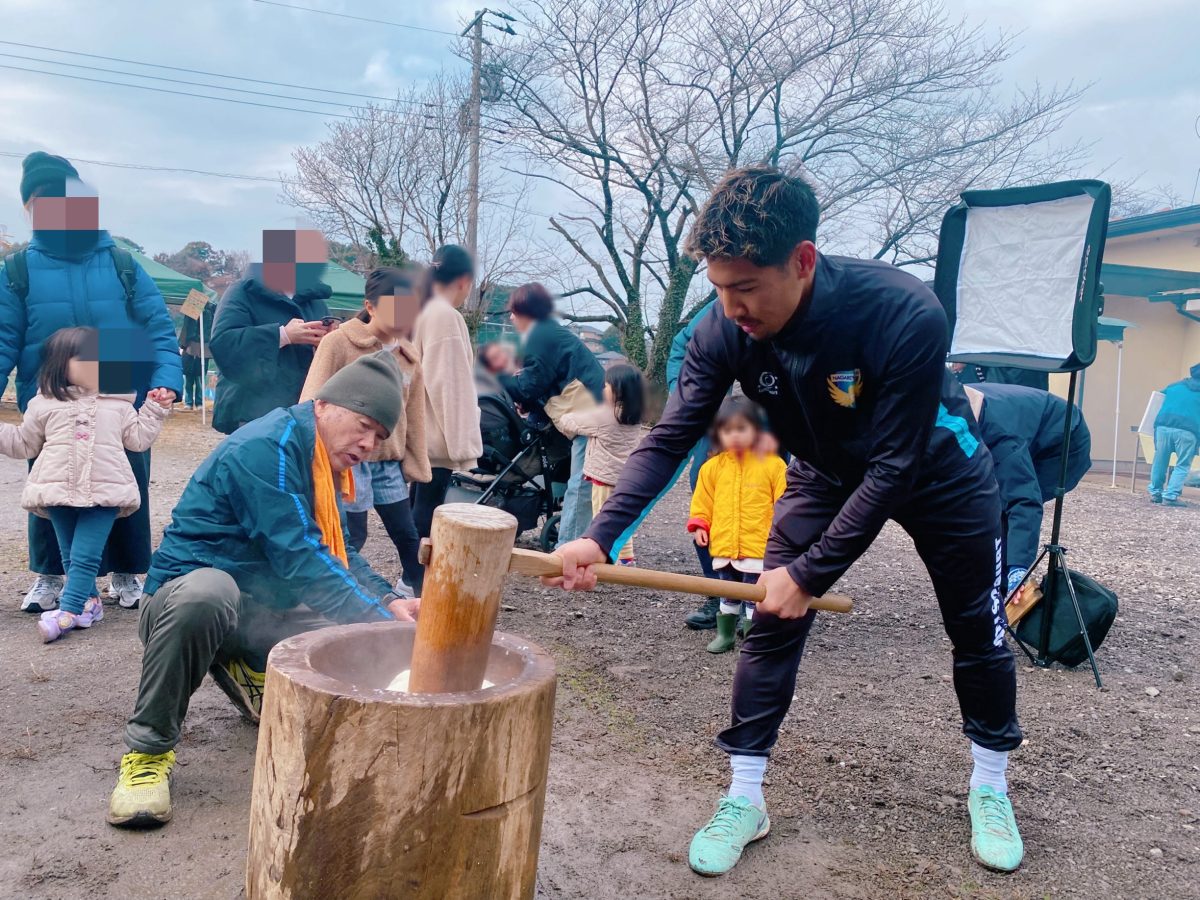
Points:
[(436, 124), (140, 166), (146, 87), (231, 175), (53, 62), (326, 12), (134, 62)]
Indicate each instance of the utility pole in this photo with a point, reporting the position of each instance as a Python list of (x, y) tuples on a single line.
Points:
[(474, 118), (474, 115)]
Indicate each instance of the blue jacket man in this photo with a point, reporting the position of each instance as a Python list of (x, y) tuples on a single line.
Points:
[(1176, 432), (1023, 428), (257, 550), (72, 279)]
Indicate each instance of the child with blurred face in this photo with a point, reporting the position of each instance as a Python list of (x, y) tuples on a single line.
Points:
[(733, 504)]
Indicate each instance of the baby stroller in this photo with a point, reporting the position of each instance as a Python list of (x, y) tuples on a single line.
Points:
[(523, 470)]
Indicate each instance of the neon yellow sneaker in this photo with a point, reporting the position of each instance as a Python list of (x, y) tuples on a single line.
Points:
[(143, 793), (242, 685)]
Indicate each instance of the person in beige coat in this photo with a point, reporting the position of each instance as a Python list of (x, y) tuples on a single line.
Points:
[(385, 322), (613, 430), (82, 481), (447, 360)]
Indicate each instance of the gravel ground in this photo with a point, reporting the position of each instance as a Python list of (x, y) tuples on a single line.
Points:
[(866, 788)]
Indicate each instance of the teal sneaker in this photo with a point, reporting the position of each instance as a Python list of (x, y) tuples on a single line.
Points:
[(718, 846), (995, 841)]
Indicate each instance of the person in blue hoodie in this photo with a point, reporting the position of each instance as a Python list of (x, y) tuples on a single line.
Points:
[(1176, 431), (73, 274)]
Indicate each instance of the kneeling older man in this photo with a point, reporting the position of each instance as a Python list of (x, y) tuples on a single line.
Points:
[(256, 551)]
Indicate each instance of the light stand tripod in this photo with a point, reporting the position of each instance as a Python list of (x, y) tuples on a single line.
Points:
[(1057, 560)]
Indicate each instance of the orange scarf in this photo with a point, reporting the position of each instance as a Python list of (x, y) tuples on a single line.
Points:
[(325, 504)]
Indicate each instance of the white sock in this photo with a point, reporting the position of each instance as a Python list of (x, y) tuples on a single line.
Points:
[(731, 607), (748, 774), (990, 766)]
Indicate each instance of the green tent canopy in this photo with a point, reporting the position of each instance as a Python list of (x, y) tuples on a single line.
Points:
[(172, 285)]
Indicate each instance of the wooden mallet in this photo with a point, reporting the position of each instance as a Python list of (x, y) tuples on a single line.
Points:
[(534, 564)]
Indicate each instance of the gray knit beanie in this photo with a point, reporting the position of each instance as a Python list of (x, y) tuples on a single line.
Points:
[(372, 385)]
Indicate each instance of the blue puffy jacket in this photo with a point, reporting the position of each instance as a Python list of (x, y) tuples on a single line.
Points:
[(84, 290), (248, 511), (1181, 406)]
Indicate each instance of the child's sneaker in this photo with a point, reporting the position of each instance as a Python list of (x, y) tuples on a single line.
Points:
[(93, 612), (628, 562), (54, 623)]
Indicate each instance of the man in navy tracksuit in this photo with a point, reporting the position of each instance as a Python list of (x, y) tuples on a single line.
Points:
[(1023, 428), (848, 359)]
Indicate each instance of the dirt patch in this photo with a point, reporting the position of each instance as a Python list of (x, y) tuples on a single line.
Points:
[(865, 789)]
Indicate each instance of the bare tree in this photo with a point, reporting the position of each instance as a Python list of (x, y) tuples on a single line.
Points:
[(635, 108), (394, 178)]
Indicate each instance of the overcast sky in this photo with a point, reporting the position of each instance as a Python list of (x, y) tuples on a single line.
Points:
[(1140, 112)]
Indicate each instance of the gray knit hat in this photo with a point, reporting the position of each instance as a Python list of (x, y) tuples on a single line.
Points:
[(372, 385)]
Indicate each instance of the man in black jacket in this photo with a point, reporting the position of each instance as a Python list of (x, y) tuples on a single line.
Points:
[(847, 357), (1023, 430), (267, 328)]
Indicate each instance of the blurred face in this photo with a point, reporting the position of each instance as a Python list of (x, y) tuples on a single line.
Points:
[(84, 373), (66, 220), (763, 299), (395, 315), (498, 359), (349, 437), (293, 259), (737, 435)]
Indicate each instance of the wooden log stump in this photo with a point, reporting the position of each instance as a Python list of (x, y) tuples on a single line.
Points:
[(361, 792)]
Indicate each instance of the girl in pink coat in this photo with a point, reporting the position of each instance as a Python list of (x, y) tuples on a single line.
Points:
[(81, 481)]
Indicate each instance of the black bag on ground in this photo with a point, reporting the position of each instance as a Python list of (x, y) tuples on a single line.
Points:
[(1097, 604)]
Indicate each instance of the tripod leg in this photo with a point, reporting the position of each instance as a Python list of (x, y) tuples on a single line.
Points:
[(1087, 641), (1020, 643)]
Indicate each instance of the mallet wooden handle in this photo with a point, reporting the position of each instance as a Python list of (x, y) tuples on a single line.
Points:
[(534, 564)]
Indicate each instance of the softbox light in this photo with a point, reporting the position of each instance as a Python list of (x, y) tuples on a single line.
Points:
[(1017, 271)]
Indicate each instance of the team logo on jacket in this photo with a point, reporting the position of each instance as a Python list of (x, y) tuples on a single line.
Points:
[(844, 387), (768, 383)]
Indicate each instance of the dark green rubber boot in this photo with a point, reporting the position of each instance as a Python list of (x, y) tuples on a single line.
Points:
[(726, 625)]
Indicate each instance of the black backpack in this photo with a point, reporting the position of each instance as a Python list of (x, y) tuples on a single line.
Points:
[(16, 266), (1097, 604)]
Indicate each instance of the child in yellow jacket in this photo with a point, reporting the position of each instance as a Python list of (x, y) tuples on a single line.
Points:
[(732, 506)]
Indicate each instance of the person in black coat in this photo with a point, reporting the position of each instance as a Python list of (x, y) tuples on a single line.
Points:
[(1023, 429), (263, 341), (551, 360)]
